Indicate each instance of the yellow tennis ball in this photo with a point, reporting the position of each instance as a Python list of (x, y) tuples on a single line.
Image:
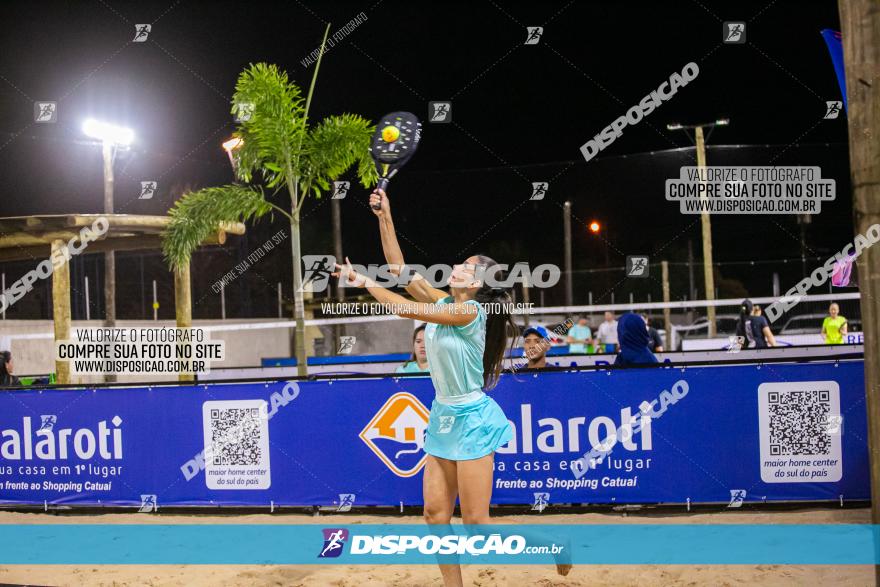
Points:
[(390, 133)]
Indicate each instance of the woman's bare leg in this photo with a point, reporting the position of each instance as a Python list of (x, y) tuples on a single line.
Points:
[(475, 489), (475, 479), (440, 487)]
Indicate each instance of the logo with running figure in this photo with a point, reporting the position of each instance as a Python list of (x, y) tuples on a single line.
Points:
[(148, 504), (346, 500), (737, 497), (148, 190), (45, 111), (440, 112), (637, 266), (734, 33), (340, 189), (141, 32), (396, 434), (244, 111), (533, 34), (446, 423), (47, 421), (833, 109), (539, 190), (334, 542), (542, 500), (317, 272), (346, 345)]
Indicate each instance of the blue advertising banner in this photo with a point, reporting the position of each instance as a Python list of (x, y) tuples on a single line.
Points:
[(723, 434)]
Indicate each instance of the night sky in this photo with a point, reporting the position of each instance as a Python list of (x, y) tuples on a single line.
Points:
[(520, 114)]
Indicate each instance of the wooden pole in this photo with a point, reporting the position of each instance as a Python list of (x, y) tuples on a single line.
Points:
[(183, 306), (61, 306), (667, 318), (707, 238), (860, 28)]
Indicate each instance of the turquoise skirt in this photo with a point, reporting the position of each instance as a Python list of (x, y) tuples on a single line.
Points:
[(462, 432)]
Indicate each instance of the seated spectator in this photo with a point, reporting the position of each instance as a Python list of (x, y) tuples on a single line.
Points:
[(579, 338), (536, 343), (834, 325), (418, 362), (632, 332), (607, 334), (656, 344), (7, 379)]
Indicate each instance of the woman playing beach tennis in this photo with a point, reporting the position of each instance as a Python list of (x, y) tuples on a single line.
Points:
[(465, 347)]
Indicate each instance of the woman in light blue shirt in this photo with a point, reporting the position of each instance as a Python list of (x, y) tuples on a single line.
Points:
[(465, 348), (418, 362)]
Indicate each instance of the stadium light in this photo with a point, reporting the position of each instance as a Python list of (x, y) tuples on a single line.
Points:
[(231, 145), (680, 126), (111, 137), (108, 133)]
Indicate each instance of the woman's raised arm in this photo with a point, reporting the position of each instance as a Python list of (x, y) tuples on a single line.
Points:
[(449, 314), (418, 287)]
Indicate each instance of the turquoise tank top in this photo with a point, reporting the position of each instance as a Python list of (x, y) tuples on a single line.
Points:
[(410, 367), (455, 355)]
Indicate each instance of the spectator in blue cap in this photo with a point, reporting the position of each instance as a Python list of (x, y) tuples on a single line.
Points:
[(632, 332), (536, 343)]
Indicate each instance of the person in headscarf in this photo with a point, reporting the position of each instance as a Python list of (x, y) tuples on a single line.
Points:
[(632, 332)]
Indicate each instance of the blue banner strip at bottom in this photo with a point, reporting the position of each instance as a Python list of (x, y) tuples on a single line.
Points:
[(96, 544)]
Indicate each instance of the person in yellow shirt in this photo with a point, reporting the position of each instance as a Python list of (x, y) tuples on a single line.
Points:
[(834, 325)]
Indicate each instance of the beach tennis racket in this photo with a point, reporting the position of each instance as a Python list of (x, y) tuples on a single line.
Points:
[(393, 144)]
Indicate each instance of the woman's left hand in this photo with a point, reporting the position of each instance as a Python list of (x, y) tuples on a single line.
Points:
[(349, 275)]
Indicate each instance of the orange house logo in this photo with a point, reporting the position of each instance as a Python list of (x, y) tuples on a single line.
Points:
[(397, 434)]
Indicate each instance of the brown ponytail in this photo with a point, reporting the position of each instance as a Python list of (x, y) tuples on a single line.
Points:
[(499, 324)]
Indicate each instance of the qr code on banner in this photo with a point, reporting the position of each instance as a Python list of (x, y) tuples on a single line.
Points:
[(799, 422), (236, 434), (800, 427)]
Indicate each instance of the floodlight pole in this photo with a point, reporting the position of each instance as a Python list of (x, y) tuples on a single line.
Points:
[(108, 151), (706, 223)]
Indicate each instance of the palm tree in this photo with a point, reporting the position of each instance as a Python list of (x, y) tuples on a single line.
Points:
[(280, 149)]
